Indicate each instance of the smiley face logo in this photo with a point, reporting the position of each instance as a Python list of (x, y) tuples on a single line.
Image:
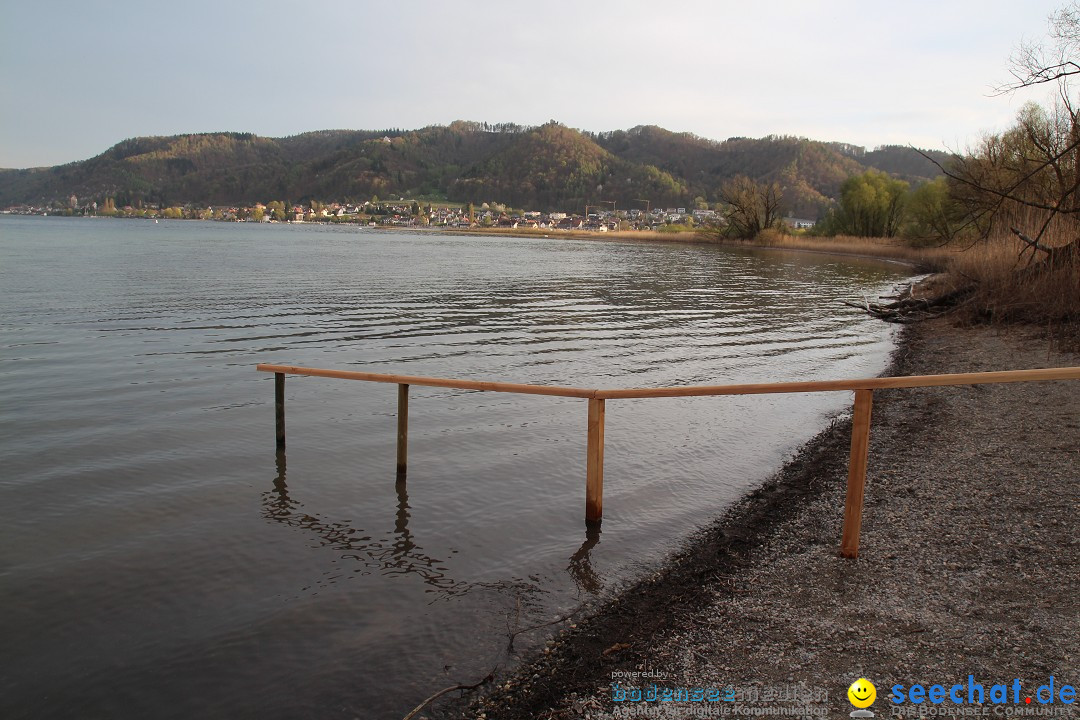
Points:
[(862, 693)]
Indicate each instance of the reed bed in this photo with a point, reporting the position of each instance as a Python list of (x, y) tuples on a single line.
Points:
[(927, 259), (1014, 285)]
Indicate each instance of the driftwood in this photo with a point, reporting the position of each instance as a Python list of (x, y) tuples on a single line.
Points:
[(906, 308), (512, 635), (562, 618), (487, 678)]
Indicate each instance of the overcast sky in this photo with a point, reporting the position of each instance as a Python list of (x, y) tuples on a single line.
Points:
[(78, 77)]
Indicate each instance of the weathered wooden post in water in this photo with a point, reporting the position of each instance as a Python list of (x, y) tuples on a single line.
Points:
[(594, 471), (402, 429), (860, 448), (279, 409)]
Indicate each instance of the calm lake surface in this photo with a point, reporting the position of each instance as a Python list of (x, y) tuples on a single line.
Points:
[(160, 559)]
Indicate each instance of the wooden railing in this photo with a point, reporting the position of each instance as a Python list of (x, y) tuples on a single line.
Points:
[(594, 475)]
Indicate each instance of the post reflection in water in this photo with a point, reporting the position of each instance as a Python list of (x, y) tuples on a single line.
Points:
[(404, 543), (402, 555), (580, 567)]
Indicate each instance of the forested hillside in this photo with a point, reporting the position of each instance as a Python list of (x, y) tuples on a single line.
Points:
[(549, 167)]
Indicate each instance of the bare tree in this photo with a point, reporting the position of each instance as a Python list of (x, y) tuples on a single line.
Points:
[(1028, 178), (752, 206), (1036, 63)]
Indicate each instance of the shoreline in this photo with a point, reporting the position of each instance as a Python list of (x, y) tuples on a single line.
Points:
[(760, 596), (921, 262), (681, 585)]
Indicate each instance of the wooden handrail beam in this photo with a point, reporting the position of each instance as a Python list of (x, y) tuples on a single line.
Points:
[(909, 381), (432, 381)]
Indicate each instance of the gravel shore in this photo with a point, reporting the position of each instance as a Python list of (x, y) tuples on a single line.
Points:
[(969, 564)]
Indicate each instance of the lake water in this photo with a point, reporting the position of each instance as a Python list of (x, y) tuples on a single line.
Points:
[(160, 559)]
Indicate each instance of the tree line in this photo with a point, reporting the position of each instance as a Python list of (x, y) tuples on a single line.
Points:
[(870, 204)]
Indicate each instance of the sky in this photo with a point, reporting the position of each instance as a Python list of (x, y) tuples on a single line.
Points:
[(78, 77)]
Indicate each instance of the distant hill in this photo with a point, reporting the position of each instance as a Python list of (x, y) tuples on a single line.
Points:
[(548, 167)]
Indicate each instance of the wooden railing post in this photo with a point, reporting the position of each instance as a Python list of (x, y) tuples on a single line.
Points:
[(402, 429), (279, 409), (594, 476), (860, 447)]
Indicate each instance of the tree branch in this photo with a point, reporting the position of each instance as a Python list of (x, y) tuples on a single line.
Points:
[(1006, 194), (513, 635), (436, 696), (1032, 243), (1039, 76)]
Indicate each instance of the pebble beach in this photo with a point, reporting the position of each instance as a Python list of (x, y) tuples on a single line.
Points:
[(968, 570)]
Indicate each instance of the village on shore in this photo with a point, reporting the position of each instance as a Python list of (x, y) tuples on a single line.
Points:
[(411, 213)]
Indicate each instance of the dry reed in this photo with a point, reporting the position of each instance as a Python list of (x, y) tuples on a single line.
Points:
[(927, 259), (1014, 285)]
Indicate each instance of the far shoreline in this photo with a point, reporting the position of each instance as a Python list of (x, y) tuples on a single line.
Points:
[(881, 249), (680, 237), (921, 260)]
